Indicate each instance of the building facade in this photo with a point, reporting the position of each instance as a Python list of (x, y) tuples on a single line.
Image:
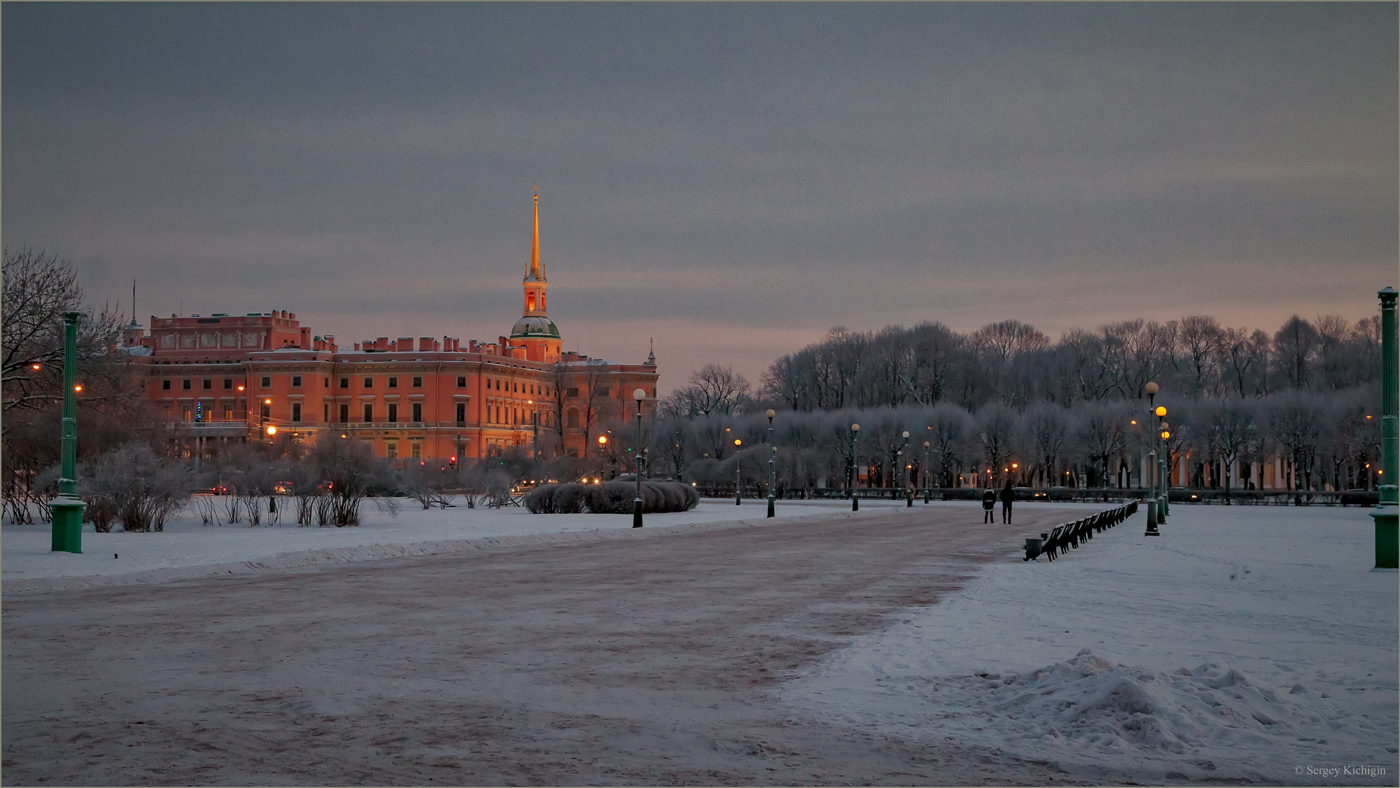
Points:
[(226, 378)]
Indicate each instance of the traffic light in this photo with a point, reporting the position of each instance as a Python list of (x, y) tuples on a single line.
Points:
[(453, 462)]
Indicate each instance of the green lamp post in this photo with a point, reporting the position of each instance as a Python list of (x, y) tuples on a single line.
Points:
[(924, 472), (67, 508), (1387, 551), (639, 395), (904, 460), (855, 499), (772, 465)]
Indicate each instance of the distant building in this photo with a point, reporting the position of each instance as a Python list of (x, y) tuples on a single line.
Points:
[(226, 378)]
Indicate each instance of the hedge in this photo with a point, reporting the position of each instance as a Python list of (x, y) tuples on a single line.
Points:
[(611, 498)]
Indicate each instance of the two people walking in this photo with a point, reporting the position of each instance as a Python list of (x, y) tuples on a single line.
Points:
[(989, 502)]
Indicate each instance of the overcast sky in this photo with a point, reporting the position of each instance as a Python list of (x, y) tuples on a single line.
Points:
[(732, 179)]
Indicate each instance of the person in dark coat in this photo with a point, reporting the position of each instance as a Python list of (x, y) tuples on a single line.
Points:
[(1007, 496), (989, 502)]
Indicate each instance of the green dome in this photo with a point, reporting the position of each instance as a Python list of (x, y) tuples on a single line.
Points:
[(535, 326)]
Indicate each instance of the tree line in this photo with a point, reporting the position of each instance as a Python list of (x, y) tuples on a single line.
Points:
[(1069, 412), (1014, 364), (1316, 440)]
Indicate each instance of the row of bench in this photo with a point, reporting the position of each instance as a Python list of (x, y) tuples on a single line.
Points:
[(1071, 534)]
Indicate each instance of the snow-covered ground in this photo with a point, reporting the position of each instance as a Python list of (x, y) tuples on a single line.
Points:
[(1245, 642), (186, 542), (1249, 643)]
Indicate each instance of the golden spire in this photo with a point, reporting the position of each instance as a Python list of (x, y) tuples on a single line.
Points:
[(534, 272)]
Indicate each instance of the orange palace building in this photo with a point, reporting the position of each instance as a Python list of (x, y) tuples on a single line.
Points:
[(223, 379)]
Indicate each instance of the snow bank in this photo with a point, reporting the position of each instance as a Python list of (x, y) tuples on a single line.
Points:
[(1245, 643), (188, 548)]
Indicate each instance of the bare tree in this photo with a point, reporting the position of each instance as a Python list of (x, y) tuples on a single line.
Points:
[(1046, 429), (1295, 421), (1295, 344), (1228, 432), (713, 389), (996, 431), (1200, 338), (1101, 435), (38, 290)]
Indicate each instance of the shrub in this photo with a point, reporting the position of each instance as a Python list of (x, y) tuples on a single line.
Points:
[(141, 488), (570, 497), (541, 500), (611, 498)]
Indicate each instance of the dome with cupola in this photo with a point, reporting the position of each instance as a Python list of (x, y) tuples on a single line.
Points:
[(535, 326)]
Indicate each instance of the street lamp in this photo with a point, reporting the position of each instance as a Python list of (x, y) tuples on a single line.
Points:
[(638, 395), (772, 455), (1163, 482), (855, 499), (924, 471), (262, 413), (908, 491), (738, 469), (1152, 514), (271, 430)]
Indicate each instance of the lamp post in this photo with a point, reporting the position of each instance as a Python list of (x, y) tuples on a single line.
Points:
[(1387, 545), (1161, 412), (1166, 459), (262, 416), (1151, 389), (855, 499), (908, 490), (924, 471), (602, 443), (772, 457), (638, 395), (738, 470), (67, 509)]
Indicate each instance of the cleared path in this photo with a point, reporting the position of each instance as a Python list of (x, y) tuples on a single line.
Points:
[(641, 660)]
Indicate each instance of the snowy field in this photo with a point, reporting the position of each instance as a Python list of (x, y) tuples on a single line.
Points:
[(186, 543), (1246, 643)]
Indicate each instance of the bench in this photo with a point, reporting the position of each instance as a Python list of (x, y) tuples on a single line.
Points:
[(1068, 536)]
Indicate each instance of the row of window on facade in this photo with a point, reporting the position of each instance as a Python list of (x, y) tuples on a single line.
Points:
[(186, 384), (392, 381), (517, 387)]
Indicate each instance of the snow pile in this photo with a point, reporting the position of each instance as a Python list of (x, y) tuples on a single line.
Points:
[(1088, 707), (1246, 643)]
